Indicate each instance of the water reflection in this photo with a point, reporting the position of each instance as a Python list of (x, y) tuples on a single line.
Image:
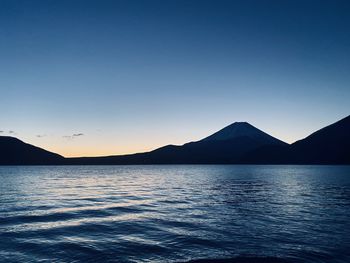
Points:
[(174, 213)]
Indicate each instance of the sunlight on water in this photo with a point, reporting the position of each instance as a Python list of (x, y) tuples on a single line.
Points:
[(174, 213)]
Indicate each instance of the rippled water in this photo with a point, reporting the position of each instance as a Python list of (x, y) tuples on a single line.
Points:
[(174, 213)]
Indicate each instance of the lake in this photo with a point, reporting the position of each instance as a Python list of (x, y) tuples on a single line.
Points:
[(174, 213)]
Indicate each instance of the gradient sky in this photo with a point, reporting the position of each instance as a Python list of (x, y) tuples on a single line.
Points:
[(110, 77)]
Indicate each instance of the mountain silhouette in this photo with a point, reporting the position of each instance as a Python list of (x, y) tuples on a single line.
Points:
[(15, 152), (226, 146), (238, 143), (329, 145), (243, 129)]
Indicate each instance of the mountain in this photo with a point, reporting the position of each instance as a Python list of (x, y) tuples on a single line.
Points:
[(242, 129), (16, 152), (226, 146), (238, 143), (329, 145)]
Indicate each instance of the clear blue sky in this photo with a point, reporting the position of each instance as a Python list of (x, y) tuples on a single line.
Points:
[(129, 76)]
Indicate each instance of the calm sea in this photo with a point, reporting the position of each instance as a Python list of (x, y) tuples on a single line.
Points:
[(175, 213)]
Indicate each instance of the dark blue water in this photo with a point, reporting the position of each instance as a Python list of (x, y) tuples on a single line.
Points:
[(175, 213)]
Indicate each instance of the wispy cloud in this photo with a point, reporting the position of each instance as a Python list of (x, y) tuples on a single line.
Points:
[(8, 132), (73, 136), (11, 132)]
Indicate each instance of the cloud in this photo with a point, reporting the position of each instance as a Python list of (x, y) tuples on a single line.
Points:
[(8, 132), (73, 136), (12, 132)]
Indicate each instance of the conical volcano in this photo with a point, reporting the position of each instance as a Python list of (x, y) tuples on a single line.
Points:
[(242, 129)]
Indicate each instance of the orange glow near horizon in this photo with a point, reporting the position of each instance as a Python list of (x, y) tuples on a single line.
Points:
[(103, 150), (91, 146), (93, 152), (130, 139)]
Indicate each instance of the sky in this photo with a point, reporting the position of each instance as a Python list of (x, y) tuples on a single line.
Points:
[(92, 78)]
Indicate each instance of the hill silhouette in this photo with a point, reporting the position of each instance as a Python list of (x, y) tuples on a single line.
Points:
[(15, 152), (238, 143), (329, 145), (226, 146)]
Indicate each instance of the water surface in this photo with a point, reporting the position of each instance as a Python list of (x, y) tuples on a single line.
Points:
[(174, 213)]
